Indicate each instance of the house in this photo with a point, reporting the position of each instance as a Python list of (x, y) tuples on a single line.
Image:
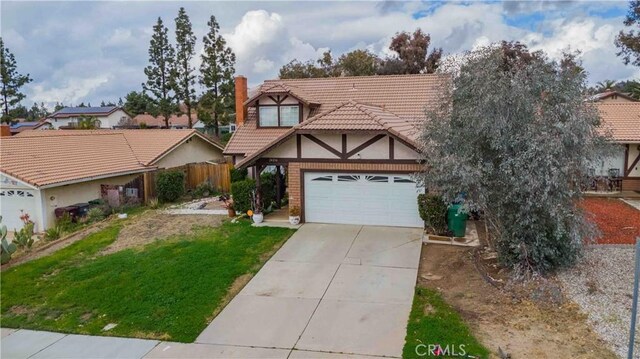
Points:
[(622, 119), (175, 122), (106, 117), (612, 96), (347, 146), (44, 170), (22, 126)]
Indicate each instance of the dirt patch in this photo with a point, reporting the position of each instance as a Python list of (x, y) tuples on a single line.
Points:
[(522, 328), (156, 225)]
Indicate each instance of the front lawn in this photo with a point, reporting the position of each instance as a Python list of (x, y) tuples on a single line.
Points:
[(436, 329), (167, 290)]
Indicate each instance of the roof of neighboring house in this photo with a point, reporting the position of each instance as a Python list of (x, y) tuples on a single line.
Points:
[(622, 119), (22, 126), (149, 145), (405, 97), (49, 161), (89, 111), (347, 116), (607, 94), (158, 121)]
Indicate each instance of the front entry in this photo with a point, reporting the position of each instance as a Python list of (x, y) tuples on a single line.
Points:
[(379, 199)]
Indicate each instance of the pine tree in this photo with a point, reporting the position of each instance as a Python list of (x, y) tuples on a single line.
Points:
[(183, 76), (161, 61), (11, 81), (216, 75)]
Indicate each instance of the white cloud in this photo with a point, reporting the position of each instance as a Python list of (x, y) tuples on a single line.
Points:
[(119, 37), (263, 65), (73, 91)]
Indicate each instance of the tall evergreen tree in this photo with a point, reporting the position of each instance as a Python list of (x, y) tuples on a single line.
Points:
[(12, 81), (216, 75), (184, 77), (161, 61), (629, 42)]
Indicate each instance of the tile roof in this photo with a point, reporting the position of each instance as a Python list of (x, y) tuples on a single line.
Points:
[(347, 116), (56, 160), (158, 121), (400, 96), (148, 145), (603, 95), (623, 119), (282, 87)]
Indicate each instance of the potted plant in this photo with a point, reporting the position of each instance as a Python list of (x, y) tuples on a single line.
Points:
[(228, 204), (258, 216), (294, 215)]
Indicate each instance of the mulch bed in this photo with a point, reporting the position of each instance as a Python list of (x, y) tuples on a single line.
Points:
[(618, 221)]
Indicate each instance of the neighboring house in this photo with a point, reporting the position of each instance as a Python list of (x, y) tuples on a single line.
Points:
[(622, 119), (22, 126), (106, 117), (348, 145), (43, 170), (612, 96), (175, 121)]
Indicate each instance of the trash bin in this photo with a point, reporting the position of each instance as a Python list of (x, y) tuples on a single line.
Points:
[(457, 221), (83, 209)]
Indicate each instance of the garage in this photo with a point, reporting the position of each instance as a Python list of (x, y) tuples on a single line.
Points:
[(361, 198), (13, 201)]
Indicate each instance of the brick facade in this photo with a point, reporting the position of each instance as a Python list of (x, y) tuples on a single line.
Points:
[(296, 173), (631, 184)]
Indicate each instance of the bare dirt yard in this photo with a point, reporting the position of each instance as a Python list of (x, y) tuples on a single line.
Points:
[(155, 225), (499, 318)]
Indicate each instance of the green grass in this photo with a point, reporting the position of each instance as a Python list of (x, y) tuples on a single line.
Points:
[(167, 290), (433, 321)]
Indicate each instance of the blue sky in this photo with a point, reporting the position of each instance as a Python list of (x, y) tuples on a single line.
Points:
[(93, 51)]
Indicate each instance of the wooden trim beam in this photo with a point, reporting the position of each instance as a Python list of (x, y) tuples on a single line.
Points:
[(344, 146), (298, 146), (368, 143), (628, 170), (391, 148), (324, 145)]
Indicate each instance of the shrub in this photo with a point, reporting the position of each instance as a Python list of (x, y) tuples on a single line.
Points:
[(268, 186), (153, 203), (66, 223), (24, 237), (242, 192), (6, 248), (433, 211), (204, 189), (95, 214), (170, 185), (226, 137), (53, 233), (238, 174), (294, 211)]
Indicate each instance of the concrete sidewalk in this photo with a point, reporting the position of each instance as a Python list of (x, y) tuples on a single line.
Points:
[(332, 291)]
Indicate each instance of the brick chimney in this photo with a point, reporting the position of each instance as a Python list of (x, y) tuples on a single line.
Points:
[(5, 130), (241, 97)]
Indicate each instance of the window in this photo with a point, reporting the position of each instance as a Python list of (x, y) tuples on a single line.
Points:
[(268, 116), (323, 178), (402, 180), (377, 178), (279, 115), (289, 115), (348, 178)]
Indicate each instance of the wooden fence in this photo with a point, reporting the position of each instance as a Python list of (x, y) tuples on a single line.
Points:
[(217, 174)]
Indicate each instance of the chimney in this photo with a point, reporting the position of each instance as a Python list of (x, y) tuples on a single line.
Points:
[(5, 131), (241, 97)]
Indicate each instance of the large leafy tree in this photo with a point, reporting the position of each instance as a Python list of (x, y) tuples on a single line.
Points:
[(12, 81), (413, 51), (139, 102), (300, 70), (216, 75), (161, 61), (518, 152), (629, 41), (183, 76), (606, 85), (358, 63)]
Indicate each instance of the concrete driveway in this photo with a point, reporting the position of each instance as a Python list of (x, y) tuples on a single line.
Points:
[(330, 289)]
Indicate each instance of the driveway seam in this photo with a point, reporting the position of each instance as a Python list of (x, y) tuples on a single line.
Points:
[(325, 292), (39, 351)]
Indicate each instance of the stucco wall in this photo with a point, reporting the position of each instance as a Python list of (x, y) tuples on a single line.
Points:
[(192, 151), (75, 193)]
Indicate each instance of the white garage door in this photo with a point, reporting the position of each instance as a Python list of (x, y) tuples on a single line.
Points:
[(14, 200), (356, 198)]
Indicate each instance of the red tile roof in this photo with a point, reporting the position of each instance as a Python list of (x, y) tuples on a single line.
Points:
[(622, 119)]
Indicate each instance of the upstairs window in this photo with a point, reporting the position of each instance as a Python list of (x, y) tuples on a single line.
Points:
[(278, 115)]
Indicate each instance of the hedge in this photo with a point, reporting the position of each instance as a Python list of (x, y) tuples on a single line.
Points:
[(241, 191), (170, 185), (433, 211)]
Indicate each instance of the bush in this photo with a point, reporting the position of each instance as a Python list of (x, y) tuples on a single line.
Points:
[(204, 189), (66, 223), (153, 203), (433, 212), (170, 185), (238, 174), (226, 137), (24, 237), (268, 186), (53, 233), (241, 192), (95, 214)]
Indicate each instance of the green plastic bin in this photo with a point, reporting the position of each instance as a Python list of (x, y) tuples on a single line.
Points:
[(457, 221)]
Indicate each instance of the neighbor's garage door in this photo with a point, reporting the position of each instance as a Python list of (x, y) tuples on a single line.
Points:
[(12, 201), (355, 198)]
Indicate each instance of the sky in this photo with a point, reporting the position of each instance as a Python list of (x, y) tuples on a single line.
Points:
[(96, 51)]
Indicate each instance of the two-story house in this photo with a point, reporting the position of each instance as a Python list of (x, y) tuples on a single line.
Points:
[(105, 117), (346, 146)]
